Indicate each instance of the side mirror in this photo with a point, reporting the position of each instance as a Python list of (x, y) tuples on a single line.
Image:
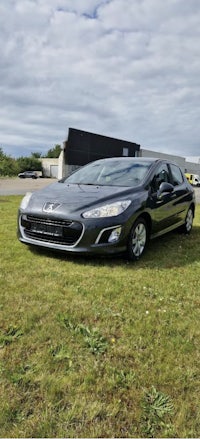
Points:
[(166, 188)]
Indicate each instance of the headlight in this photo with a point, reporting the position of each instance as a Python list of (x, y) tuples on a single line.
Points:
[(25, 200), (113, 209)]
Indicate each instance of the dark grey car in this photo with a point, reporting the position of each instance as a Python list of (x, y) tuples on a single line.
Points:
[(109, 206)]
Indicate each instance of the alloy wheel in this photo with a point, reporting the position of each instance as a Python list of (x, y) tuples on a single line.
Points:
[(189, 220), (138, 239)]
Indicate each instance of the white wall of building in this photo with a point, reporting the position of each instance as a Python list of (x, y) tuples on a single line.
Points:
[(193, 159), (186, 166), (61, 165), (192, 168), (174, 158), (50, 167)]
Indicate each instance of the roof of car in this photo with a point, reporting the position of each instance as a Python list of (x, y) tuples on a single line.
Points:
[(138, 159)]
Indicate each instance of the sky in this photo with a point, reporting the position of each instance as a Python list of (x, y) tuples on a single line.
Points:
[(128, 69)]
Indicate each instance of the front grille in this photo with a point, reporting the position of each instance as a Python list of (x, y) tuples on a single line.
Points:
[(63, 232), (49, 221)]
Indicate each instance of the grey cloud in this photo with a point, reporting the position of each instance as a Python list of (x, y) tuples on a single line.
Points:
[(122, 68)]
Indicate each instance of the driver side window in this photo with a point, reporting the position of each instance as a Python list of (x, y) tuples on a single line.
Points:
[(161, 175)]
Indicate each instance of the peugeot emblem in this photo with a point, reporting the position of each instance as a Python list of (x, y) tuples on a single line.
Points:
[(50, 207)]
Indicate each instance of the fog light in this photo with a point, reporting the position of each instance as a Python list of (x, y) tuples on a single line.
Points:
[(114, 236)]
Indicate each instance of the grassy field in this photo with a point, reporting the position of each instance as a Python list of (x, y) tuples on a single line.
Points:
[(99, 347)]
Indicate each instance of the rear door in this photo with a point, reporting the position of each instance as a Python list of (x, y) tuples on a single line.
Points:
[(181, 193)]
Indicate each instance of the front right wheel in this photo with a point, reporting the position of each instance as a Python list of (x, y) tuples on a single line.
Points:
[(137, 239)]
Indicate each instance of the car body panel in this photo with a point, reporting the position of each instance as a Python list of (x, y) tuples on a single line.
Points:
[(169, 210)]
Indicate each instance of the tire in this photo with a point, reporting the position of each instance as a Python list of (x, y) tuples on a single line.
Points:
[(137, 240), (187, 226)]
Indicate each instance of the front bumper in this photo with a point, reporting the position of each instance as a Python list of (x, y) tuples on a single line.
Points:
[(87, 236)]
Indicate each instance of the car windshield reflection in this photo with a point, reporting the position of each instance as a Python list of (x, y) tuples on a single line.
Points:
[(113, 173)]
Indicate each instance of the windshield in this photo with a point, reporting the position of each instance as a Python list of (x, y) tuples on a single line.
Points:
[(111, 173)]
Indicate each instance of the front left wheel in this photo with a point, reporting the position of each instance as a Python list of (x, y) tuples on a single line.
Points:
[(187, 226), (137, 239)]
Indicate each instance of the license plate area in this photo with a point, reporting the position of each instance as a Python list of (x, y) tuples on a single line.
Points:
[(46, 229)]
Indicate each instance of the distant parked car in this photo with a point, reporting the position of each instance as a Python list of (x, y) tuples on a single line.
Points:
[(28, 174), (109, 206)]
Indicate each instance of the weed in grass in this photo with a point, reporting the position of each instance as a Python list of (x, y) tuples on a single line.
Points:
[(121, 378), (60, 353), (9, 335), (96, 343), (66, 322), (22, 375), (157, 409)]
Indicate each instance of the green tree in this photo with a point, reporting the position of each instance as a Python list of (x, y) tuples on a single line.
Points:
[(54, 152), (29, 164), (8, 165), (37, 155)]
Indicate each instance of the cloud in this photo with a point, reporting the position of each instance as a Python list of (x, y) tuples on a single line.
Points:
[(123, 68)]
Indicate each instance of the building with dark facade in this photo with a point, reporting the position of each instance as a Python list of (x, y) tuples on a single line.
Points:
[(83, 147)]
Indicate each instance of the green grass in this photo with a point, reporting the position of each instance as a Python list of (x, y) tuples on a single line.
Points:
[(99, 347)]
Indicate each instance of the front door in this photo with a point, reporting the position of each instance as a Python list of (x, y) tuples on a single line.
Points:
[(163, 207)]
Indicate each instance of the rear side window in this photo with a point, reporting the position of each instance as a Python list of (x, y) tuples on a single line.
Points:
[(177, 176)]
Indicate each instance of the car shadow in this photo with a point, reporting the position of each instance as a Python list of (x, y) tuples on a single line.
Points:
[(171, 250)]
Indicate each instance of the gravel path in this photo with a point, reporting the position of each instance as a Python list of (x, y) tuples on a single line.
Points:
[(19, 186)]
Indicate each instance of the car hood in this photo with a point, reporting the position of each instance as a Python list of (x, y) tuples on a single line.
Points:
[(71, 198)]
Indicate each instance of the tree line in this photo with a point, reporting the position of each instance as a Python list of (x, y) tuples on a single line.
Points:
[(10, 166)]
